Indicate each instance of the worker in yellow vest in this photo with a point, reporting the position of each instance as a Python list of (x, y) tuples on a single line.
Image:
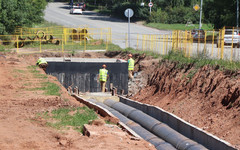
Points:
[(130, 67), (42, 63), (103, 76)]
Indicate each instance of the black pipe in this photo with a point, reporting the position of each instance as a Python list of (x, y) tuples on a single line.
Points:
[(156, 127), (142, 132)]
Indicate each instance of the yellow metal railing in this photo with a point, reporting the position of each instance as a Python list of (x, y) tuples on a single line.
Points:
[(57, 39), (60, 39)]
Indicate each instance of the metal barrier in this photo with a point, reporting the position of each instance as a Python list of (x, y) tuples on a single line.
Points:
[(209, 44), (57, 39)]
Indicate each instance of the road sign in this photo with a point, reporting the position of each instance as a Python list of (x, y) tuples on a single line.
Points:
[(128, 12), (196, 7), (150, 4)]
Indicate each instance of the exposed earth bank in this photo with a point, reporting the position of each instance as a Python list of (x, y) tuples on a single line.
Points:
[(206, 97), (21, 127)]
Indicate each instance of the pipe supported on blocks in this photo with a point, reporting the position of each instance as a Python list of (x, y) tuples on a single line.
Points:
[(158, 128), (142, 132)]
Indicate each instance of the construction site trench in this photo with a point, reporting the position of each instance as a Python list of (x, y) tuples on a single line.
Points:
[(207, 97)]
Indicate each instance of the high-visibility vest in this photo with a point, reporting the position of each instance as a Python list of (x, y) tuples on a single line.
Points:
[(41, 61), (130, 64), (103, 74)]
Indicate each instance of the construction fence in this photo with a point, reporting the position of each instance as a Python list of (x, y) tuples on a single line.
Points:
[(57, 39), (210, 44)]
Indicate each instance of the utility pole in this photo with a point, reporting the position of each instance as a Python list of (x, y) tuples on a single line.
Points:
[(237, 13), (150, 8), (200, 21)]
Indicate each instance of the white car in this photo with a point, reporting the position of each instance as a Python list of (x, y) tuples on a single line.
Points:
[(230, 38), (76, 10)]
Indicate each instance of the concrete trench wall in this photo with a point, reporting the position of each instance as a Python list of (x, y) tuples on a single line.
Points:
[(209, 141), (84, 74)]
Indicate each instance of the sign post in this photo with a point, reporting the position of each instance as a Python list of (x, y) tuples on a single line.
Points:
[(128, 13), (150, 4), (200, 21)]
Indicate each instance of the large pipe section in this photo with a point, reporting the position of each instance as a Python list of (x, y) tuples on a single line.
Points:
[(145, 134), (158, 128)]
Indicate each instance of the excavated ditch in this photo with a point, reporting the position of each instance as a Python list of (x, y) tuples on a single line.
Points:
[(207, 97)]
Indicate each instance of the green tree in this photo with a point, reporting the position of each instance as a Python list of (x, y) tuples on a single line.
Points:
[(20, 13), (223, 13)]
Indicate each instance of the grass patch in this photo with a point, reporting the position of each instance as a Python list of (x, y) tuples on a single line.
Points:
[(200, 61), (33, 69), (109, 122), (134, 51), (36, 73), (63, 118), (4, 48), (191, 74), (19, 71), (49, 88), (178, 26)]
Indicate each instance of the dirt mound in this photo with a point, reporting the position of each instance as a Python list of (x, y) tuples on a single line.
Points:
[(206, 97), (20, 103)]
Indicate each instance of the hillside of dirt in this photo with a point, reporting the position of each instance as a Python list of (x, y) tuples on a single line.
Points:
[(22, 129), (206, 97)]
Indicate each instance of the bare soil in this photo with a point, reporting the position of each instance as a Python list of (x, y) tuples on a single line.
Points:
[(19, 106), (207, 97)]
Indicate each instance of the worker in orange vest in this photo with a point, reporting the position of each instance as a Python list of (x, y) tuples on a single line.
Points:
[(103, 76)]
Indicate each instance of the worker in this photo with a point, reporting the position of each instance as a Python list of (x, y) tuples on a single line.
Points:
[(103, 76), (130, 66), (42, 63)]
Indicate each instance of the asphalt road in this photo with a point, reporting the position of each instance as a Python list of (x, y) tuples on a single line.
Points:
[(59, 13)]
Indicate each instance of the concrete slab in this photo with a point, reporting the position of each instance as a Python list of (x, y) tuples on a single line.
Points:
[(73, 59), (100, 97), (94, 130)]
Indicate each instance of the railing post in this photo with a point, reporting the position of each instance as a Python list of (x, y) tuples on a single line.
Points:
[(17, 44), (212, 43), (205, 42), (62, 44), (40, 45), (85, 38), (222, 43), (232, 45)]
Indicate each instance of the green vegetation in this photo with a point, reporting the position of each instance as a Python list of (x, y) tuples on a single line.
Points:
[(4, 49), (200, 61), (49, 88), (217, 12), (178, 56), (75, 117), (19, 71), (20, 13), (178, 26), (134, 51), (191, 74)]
